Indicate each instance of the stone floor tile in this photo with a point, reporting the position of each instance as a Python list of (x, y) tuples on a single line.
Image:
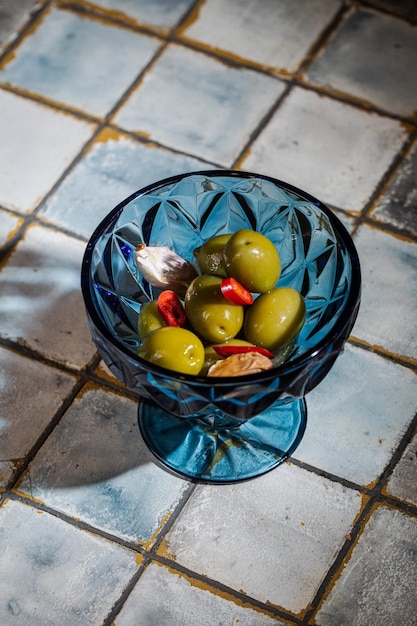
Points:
[(53, 573), (273, 33), (398, 203), (41, 305), (402, 483), (251, 535), (352, 410), (95, 467), (79, 61), (163, 596), (406, 8), (332, 150), (13, 16), (41, 143), (381, 576), (115, 167), (9, 223), (355, 62), (211, 118), (160, 13), (387, 316), (31, 393)]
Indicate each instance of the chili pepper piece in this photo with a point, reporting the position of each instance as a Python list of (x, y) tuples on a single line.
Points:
[(235, 292), (229, 350), (170, 308)]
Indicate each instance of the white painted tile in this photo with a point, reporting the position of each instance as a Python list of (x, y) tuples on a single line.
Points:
[(387, 316), (210, 117), (355, 62), (114, 168), (78, 61), (402, 483), (163, 597), (160, 13), (53, 573), (274, 33), (254, 536), (41, 143), (95, 467), (378, 584), (357, 416), (30, 394), (41, 304), (332, 150)]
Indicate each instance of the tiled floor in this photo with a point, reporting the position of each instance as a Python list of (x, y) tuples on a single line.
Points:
[(98, 99)]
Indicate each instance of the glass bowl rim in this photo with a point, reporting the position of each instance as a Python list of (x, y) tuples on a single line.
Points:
[(278, 371)]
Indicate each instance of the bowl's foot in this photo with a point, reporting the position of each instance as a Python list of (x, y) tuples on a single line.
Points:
[(201, 454)]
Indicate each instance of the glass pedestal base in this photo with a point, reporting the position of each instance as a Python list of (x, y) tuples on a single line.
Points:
[(193, 450)]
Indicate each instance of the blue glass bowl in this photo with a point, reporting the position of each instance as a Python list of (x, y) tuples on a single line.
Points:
[(222, 429)]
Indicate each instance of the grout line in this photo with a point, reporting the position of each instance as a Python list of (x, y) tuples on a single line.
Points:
[(47, 431), (376, 498), (329, 31), (387, 178), (331, 576), (387, 10), (260, 127), (149, 556), (399, 359), (35, 16), (224, 590)]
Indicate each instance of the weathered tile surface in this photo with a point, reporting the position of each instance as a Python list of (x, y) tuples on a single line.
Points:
[(41, 143), (356, 63), (41, 304), (210, 118), (381, 576), (251, 535), (402, 483), (389, 299), (115, 167), (274, 33), (160, 13), (398, 203), (356, 419), (327, 148), (25, 409), (13, 16), (99, 98), (79, 62), (49, 570), (163, 597), (96, 468)]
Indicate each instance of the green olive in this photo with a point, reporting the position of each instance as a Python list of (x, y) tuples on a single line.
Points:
[(253, 260), (275, 318), (175, 348), (209, 256), (212, 316), (149, 319)]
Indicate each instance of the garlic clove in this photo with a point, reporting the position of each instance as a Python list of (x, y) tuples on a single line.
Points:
[(163, 268), (240, 364)]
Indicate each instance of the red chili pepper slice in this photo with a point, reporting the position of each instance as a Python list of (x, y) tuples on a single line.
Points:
[(235, 292), (229, 350), (171, 309)]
